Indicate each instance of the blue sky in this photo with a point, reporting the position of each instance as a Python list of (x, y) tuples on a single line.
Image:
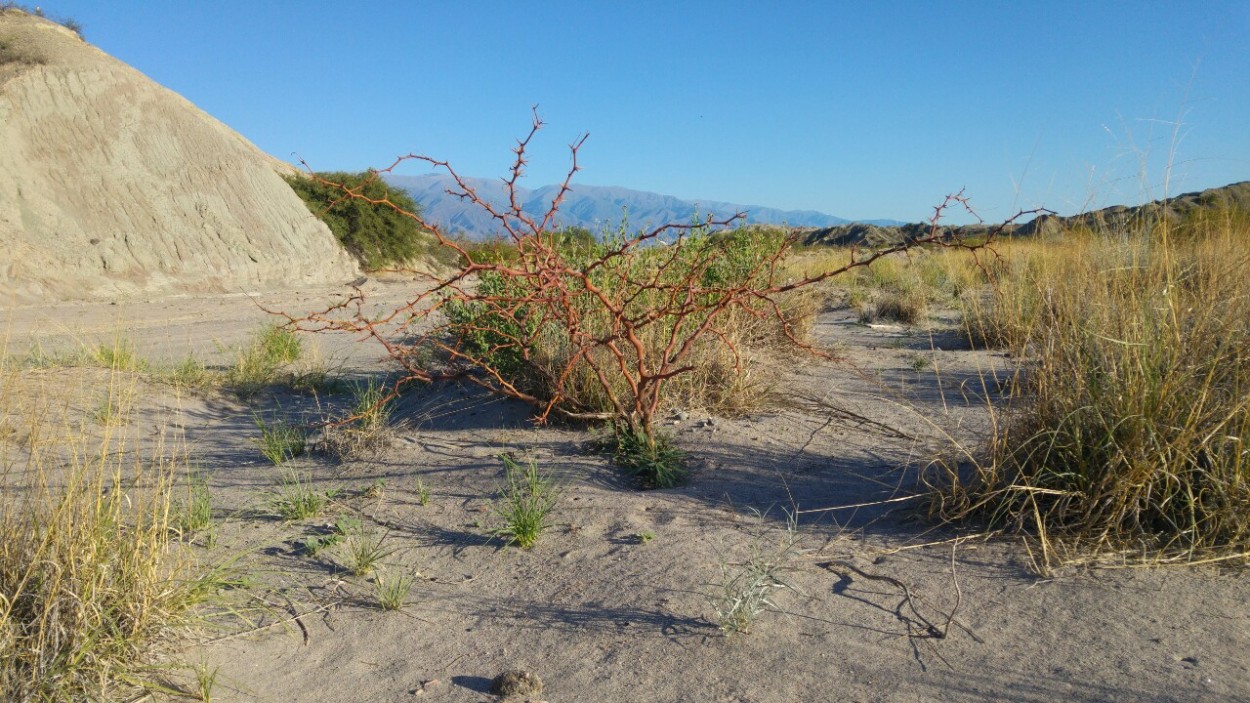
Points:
[(856, 109)]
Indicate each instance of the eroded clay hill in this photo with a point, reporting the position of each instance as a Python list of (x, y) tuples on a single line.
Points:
[(112, 185)]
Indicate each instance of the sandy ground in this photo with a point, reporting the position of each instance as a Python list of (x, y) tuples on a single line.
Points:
[(618, 601)]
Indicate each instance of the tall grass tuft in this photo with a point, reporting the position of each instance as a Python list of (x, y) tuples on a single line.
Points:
[(525, 504), (1133, 428), (258, 364), (89, 577)]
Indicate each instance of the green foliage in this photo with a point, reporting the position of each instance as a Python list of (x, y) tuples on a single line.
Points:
[(495, 250), (343, 525), (205, 681), (194, 511), (392, 592), (380, 236), (372, 405), (188, 373), (502, 340), (280, 441), (526, 504), (746, 588), (257, 365), (363, 549), (511, 329), (278, 345), (295, 499), (119, 355), (366, 433), (651, 459), (422, 492)]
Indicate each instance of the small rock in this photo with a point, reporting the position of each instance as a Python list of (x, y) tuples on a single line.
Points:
[(683, 416), (516, 683)]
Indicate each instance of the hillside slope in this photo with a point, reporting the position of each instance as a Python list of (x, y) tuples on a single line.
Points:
[(1234, 197), (112, 185)]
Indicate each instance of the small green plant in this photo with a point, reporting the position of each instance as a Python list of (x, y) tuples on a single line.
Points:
[(279, 345), (113, 408), (279, 441), (652, 460), (317, 377), (343, 525), (257, 365), (195, 511), (526, 503), (392, 593), (319, 543), (366, 434), (644, 537), (346, 524), (372, 405), (295, 499), (918, 362), (375, 490), (422, 491), (363, 549), (188, 373), (37, 357), (119, 355), (205, 681), (746, 588)]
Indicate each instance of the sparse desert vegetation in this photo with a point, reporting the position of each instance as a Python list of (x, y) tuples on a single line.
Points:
[(366, 519), (1111, 395), (92, 574), (1128, 432), (270, 433)]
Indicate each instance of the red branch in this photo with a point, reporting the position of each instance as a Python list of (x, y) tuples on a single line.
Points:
[(630, 318)]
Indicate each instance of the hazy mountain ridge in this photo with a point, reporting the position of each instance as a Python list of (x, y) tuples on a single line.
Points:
[(592, 207)]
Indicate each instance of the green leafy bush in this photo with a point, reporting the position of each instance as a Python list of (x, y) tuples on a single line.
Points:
[(380, 234), (516, 329)]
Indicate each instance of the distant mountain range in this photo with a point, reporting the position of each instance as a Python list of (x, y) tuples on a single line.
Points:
[(592, 207)]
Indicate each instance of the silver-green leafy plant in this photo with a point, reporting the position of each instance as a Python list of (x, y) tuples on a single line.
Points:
[(746, 589)]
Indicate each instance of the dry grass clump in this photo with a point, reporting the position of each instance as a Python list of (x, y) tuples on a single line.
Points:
[(1133, 429), (366, 433), (89, 577), (902, 287)]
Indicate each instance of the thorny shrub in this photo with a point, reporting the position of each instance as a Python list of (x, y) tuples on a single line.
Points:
[(598, 330)]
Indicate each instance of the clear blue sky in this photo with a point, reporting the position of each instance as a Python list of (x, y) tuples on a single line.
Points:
[(857, 109)]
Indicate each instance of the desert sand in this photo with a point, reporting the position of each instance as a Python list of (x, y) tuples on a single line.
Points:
[(618, 600)]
